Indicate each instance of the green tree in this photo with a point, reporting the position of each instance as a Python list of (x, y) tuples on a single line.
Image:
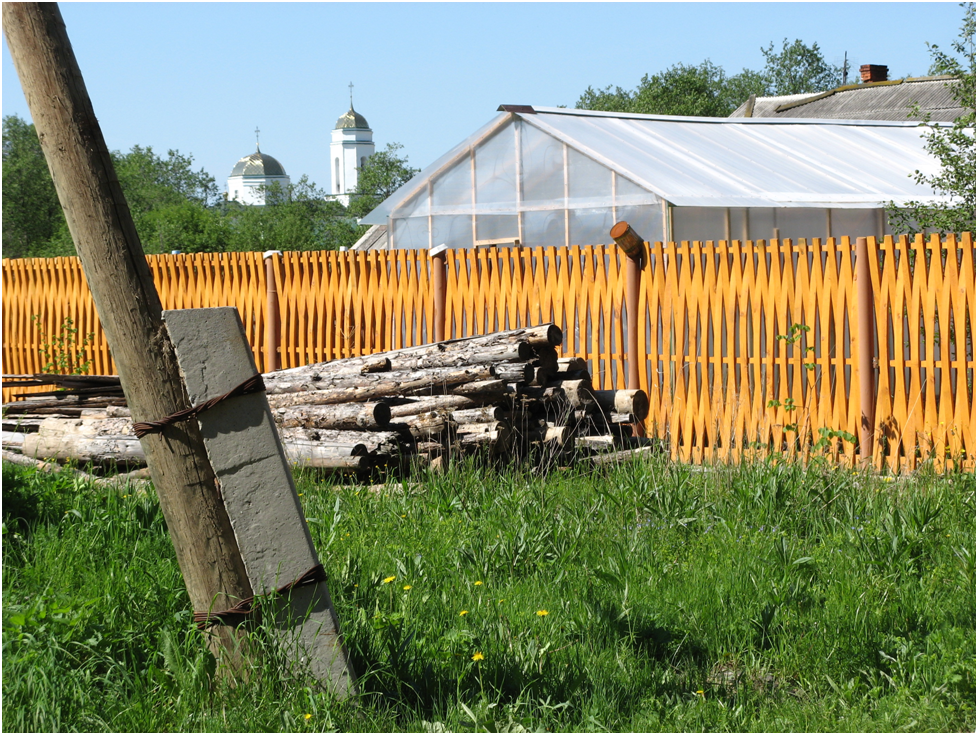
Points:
[(953, 147), (702, 91), (383, 173), (798, 69), (170, 202), (151, 182), (32, 215), (707, 91), (298, 217)]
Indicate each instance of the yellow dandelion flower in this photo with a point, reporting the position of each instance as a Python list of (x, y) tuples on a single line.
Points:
[(464, 612), (388, 580), (478, 656), (308, 717), (478, 582), (701, 693), (541, 613), (407, 586)]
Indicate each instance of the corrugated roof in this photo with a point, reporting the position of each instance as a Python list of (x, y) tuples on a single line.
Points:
[(875, 101), (765, 106), (730, 162)]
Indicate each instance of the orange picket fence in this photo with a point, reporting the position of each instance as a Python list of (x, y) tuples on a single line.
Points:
[(749, 346)]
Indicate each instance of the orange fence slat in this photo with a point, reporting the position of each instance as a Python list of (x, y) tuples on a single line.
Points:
[(747, 345)]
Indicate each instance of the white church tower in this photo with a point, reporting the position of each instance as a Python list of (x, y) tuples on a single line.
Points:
[(351, 145)]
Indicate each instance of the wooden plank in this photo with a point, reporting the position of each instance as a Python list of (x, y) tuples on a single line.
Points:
[(258, 490)]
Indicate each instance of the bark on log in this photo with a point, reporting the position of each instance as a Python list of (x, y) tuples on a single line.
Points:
[(297, 450), (373, 440), (471, 355), (481, 414), (624, 456), (352, 416), (558, 435), (54, 428), (550, 393), (497, 441), (12, 440), (541, 375), (84, 449), (488, 390), (514, 372), (102, 450), (543, 334), (481, 427), (571, 364), (425, 425), (440, 355), (414, 406), (362, 388), (67, 403), (22, 424), (634, 401), (546, 356), (578, 392), (313, 455), (597, 443)]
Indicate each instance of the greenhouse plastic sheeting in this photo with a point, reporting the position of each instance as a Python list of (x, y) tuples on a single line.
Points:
[(561, 177)]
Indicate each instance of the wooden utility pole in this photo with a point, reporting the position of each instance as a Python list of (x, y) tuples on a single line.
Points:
[(128, 307)]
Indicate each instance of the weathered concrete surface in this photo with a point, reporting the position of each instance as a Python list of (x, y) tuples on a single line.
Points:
[(253, 473)]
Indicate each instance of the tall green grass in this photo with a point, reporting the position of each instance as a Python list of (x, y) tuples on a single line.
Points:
[(649, 596)]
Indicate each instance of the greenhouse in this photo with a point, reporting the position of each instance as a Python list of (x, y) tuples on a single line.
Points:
[(555, 176)]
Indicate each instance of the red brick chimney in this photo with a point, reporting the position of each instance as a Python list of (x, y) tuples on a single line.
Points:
[(873, 73)]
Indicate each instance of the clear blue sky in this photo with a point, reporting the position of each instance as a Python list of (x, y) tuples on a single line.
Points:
[(200, 77)]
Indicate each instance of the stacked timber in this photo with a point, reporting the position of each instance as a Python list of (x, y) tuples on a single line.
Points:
[(506, 394)]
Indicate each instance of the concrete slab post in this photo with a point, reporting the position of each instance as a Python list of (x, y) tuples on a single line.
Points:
[(256, 485)]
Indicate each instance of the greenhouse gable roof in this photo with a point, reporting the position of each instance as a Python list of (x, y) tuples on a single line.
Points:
[(728, 162)]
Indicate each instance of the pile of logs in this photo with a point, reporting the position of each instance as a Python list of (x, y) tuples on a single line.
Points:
[(506, 394)]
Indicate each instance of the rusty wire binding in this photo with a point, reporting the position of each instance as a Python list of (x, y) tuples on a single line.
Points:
[(247, 606), (253, 384)]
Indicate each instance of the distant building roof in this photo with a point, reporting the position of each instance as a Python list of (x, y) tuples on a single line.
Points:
[(891, 100), (352, 119), (258, 164)]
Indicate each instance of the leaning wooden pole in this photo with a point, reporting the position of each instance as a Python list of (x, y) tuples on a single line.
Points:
[(634, 248), (128, 306)]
